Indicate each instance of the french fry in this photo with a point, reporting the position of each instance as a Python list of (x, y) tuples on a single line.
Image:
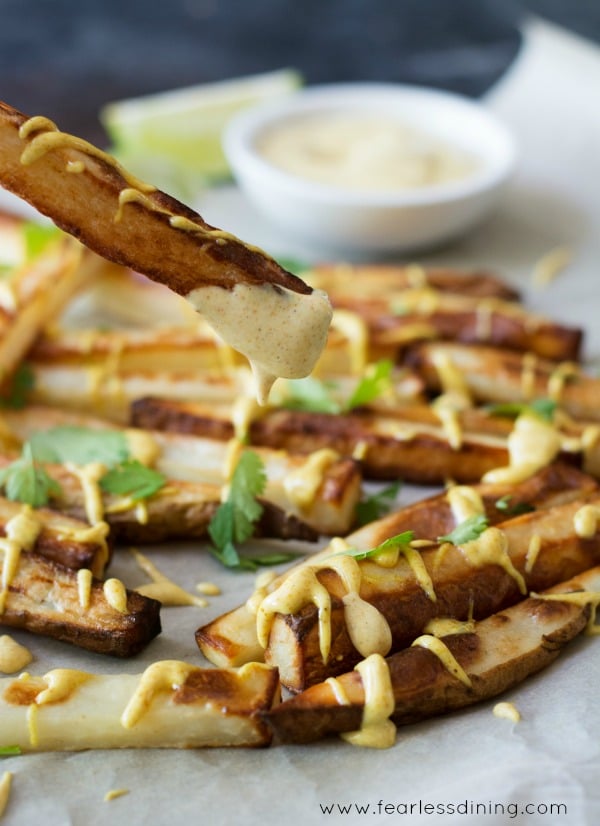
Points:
[(409, 442), (502, 376), (35, 293), (460, 585), (320, 492), (372, 281), (181, 510), (171, 705), (144, 238), (400, 305), (63, 539), (423, 315), (496, 654), (105, 371), (45, 598), (231, 639)]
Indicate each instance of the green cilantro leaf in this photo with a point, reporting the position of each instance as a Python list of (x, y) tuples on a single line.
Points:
[(398, 541), (275, 558), (24, 481), (311, 395), (37, 237), (235, 518), (544, 408), (503, 504), (375, 506), (293, 265), (375, 382), (80, 445), (132, 478), (19, 387), (316, 396), (9, 751), (468, 530)]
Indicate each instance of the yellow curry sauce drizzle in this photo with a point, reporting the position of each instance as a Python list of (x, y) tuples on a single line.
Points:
[(302, 484), (13, 656), (356, 332), (376, 730), (585, 521), (367, 627), (21, 534), (5, 784), (455, 397), (443, 653), (162, 588), (532, 444)]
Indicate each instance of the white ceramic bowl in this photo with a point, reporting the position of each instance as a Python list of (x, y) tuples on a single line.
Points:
[(366, 221)]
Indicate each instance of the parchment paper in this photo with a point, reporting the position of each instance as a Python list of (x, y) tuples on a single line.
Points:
[(468, 759)]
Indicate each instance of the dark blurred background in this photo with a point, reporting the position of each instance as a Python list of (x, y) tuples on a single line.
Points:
[(65, 58)]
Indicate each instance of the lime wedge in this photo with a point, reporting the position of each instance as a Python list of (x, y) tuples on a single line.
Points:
[(179, 132)]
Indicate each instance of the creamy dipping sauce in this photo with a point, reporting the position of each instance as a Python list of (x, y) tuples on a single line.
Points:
[(282, 333), (358, 150)]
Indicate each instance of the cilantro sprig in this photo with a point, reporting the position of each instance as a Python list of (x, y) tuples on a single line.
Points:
[(236, 517), (504, 504), (80, 445), (36, 238), (311, 395), (377, 505), (15, 394), (24, 480), (401, 540), (376, 381), (544, 408), (9, 751), (132, 478), (316, 396), (468, 530)]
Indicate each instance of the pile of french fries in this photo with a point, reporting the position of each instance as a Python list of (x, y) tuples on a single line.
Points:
[(453, 361)]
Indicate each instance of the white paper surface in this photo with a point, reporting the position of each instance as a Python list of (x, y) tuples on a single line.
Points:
[(550, 99)]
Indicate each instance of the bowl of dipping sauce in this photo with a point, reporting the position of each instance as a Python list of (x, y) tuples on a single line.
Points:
[(371, 167)]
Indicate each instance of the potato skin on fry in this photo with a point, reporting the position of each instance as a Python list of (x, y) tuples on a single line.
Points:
[(462, 589), (496, 375), (143, 238), (503, 650), (408, 443), (43, 598), (231, 639)]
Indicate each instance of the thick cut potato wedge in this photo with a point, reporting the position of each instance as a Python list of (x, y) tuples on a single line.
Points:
[(502, 376), (410, 442), (461, 587), (34, 294), (144, 238), (319, 492), (400, 305), (63, 539), (171, 705), (372, 281), (231, 639), (43, 597), (497, 654), (103, 372)]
